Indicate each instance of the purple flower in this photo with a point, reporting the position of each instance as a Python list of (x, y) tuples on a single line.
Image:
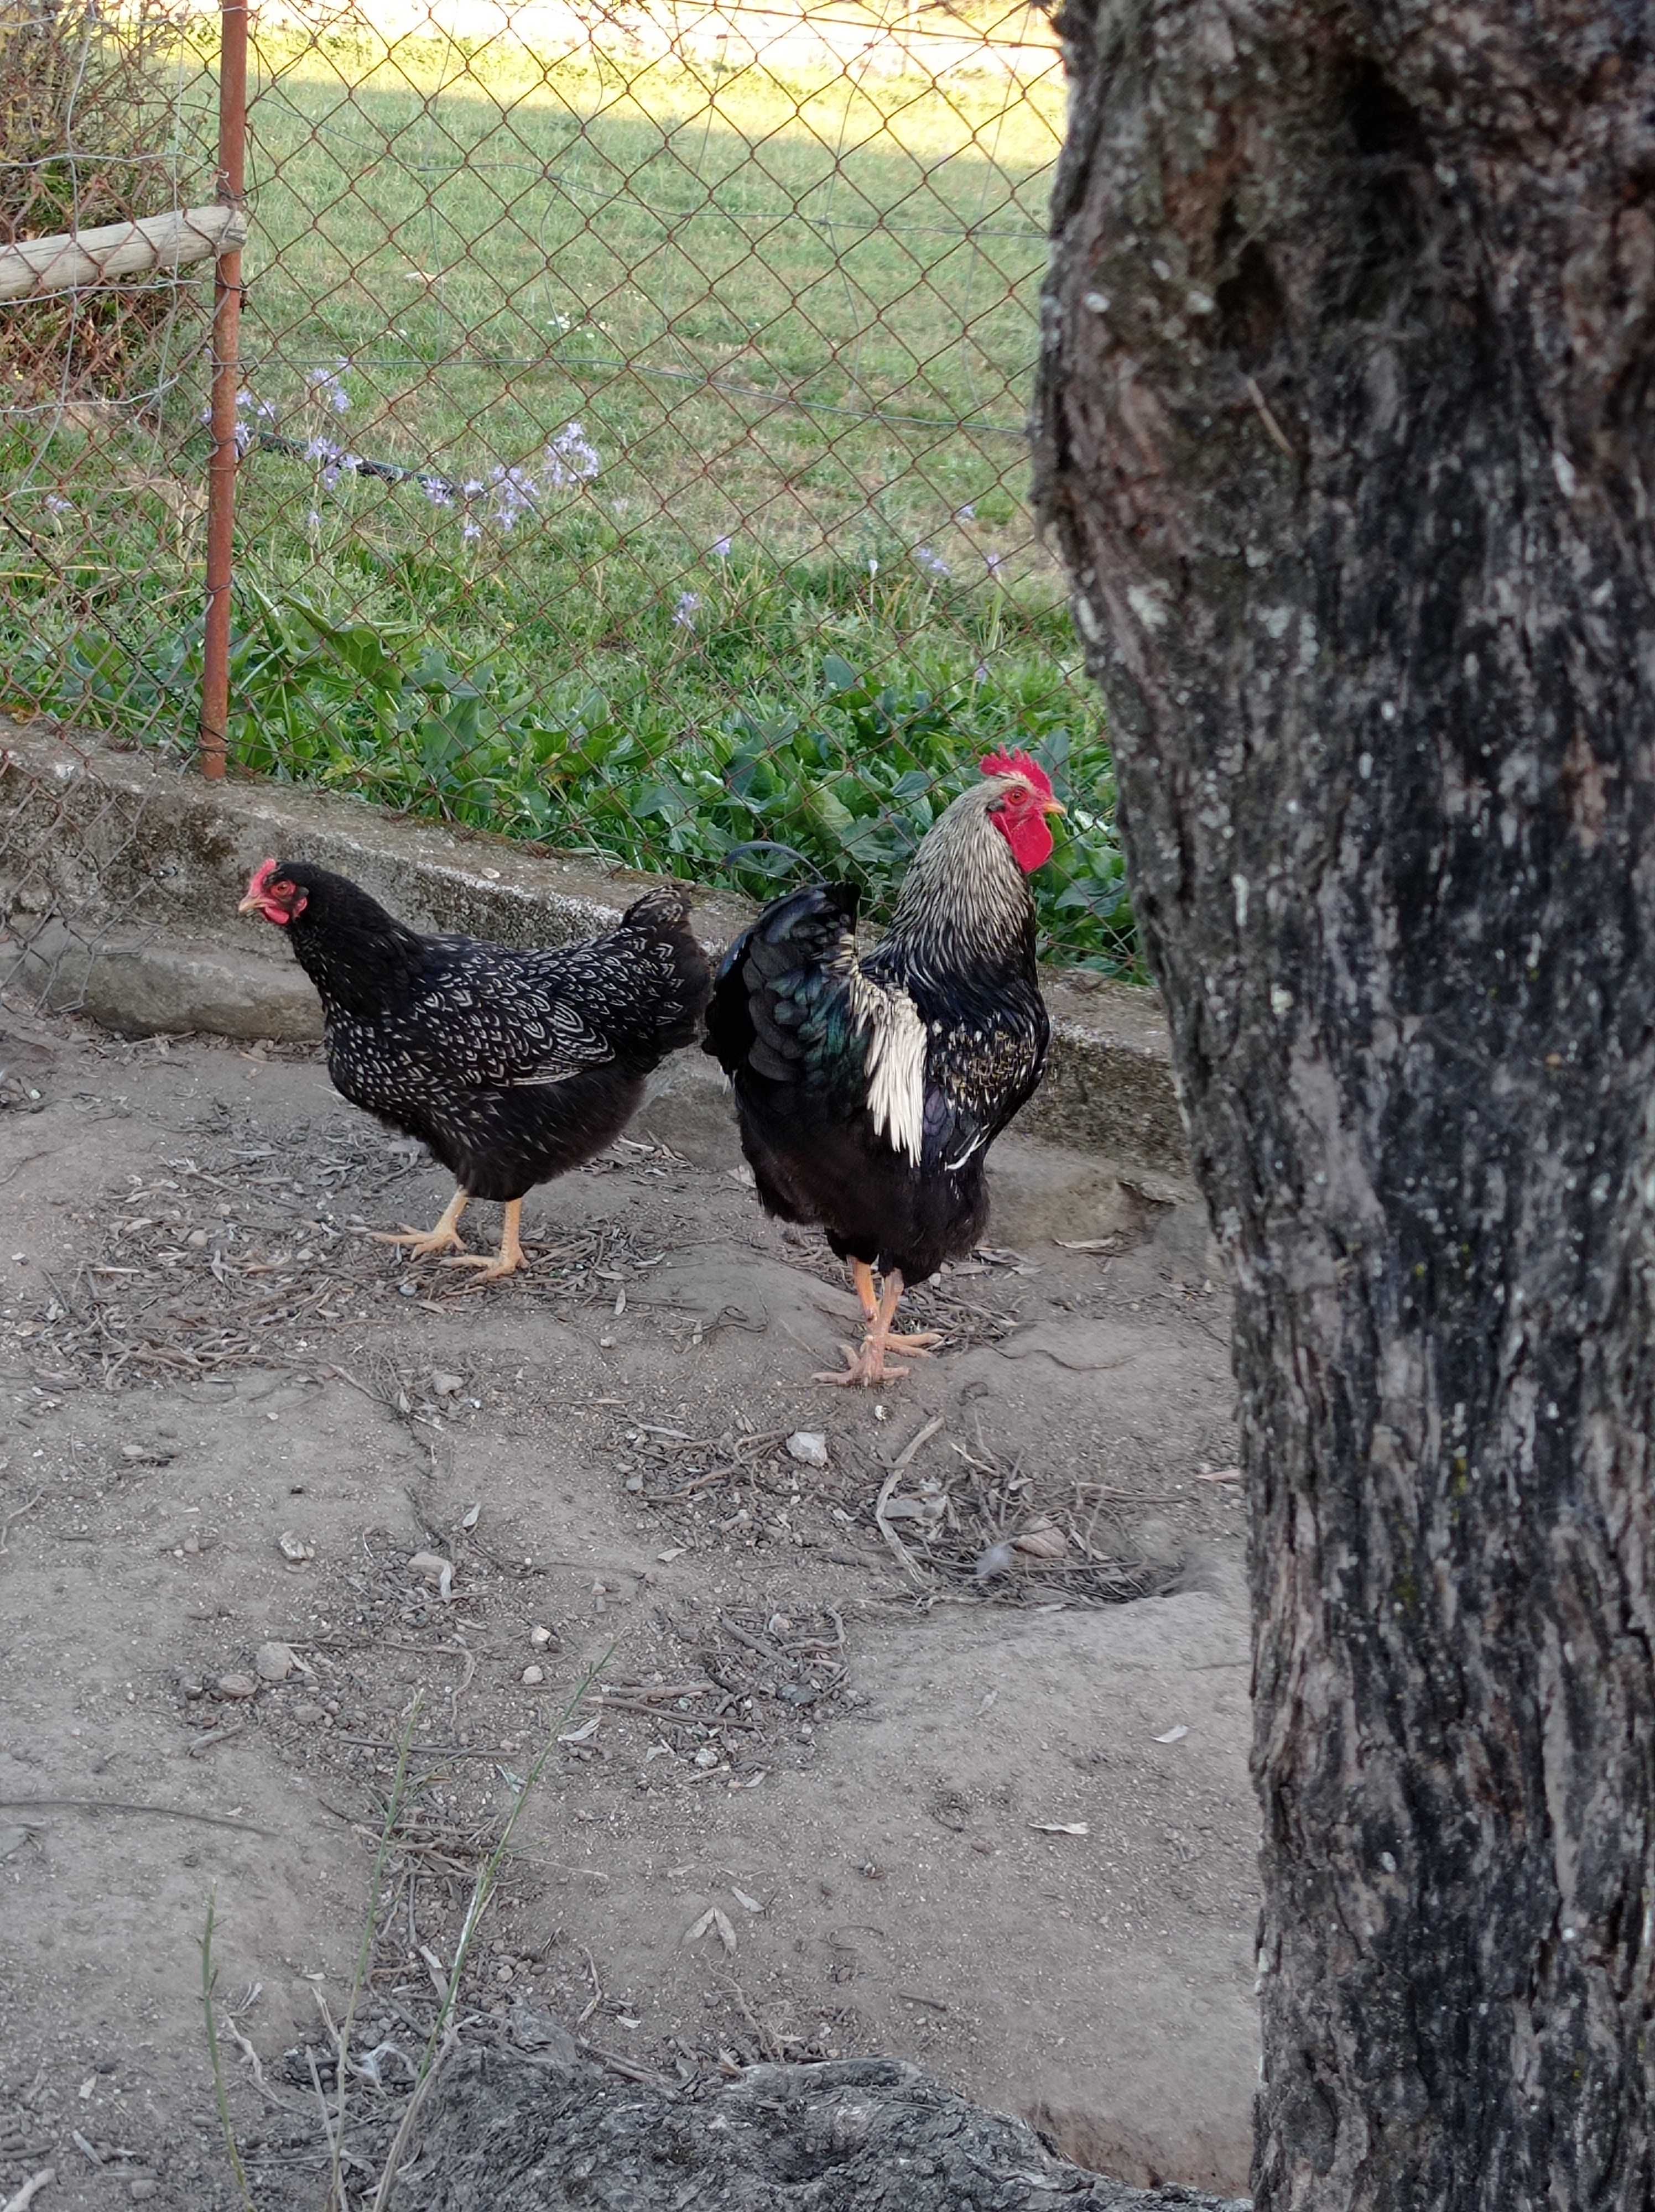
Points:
[(515, 493), (932, 563), (312, 522), (688, 608), (995, 563), (59, 505), (470, 530), (326, 385), (720, 549), (571, 456), (439, 493), (966, 515)]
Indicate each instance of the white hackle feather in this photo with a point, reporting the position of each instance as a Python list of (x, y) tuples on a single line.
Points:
[(895, 1064)]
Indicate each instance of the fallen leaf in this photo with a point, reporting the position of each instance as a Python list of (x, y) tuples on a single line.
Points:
[(1224, 1474), (1042, 1542), (435, 1569), (726, 1933), (747, 1904), (1060, 1827), (471, 1519), (586, 1728), (1174, 1734)]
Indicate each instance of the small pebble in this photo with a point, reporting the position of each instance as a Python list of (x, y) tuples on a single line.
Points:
[(634, 1483), (448, 1386), (236, 1685), (534, 1674), (504, 1971), (308, 1715), (197, 1237), (539, 1638), (808, 1446), (273, 1662), (141, 2191)]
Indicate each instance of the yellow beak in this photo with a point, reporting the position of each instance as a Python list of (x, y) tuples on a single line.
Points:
[(1053, 806), (252, 904)]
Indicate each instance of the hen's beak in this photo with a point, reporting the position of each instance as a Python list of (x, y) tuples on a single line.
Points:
[(1053, 806), (254, 903)]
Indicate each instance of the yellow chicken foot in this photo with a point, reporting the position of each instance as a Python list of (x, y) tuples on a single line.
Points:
[(863, 1276), (867, 1366), (445, 1237), (508, 1260)]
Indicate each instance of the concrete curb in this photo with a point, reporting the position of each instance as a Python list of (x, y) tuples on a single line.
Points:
[(120, 878)]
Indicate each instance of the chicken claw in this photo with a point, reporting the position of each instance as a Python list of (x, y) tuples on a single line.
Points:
[(422, 1243), (866, 1365), (507, 1261)]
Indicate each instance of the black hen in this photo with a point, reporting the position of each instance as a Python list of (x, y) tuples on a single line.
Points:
[(869, 1089), (512, 1066)]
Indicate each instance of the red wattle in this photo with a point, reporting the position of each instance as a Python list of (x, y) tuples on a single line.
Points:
[(1029, 838)]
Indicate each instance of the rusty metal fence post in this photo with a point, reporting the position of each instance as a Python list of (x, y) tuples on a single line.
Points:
[(226, 378)]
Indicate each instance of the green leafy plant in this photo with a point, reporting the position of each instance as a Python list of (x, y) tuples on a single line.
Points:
[(759, 797)]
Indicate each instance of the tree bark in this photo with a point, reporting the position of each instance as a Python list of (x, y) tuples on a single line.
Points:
[(503, 2134), (1345, 432)]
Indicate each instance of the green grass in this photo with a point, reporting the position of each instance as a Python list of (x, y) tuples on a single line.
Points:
[(771, 627)]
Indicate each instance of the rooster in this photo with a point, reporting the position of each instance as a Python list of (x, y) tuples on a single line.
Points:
[(869, 1088), (512, 1066)]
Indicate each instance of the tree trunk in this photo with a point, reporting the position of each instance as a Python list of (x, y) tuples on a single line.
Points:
[(1344, 433)]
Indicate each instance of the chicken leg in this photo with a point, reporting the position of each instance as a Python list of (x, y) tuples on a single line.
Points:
[(867, 1366), (510, 1256), (445, 1237)]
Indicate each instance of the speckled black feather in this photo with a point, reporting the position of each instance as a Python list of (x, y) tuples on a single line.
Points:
[(512, 1066), (784, 1024)]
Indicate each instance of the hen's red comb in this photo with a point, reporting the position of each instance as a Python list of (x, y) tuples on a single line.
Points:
[(260, 878), (1023, 764)]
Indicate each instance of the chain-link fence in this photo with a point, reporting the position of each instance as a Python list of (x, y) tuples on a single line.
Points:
[(631, 429)]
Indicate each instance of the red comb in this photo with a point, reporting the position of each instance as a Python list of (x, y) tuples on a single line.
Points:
[(1023, 764), (260, 877)]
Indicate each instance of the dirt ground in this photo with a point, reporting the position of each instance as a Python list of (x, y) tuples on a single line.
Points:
[(960, 1778)]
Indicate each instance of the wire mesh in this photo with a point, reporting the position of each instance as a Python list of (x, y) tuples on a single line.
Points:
[(103, 135), (633, 450)]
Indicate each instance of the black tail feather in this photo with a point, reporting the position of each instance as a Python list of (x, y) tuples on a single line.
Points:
[(806, 928)]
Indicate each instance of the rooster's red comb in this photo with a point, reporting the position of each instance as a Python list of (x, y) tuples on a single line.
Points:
[(1023, 764)]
